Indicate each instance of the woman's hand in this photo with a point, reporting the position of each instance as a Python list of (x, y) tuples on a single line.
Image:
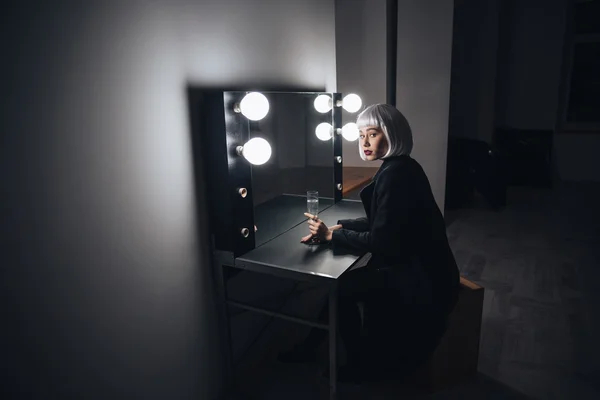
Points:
[(318, 229)]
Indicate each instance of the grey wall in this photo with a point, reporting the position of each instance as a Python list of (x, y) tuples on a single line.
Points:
[(423, 95), (360, 55), (105, 278), (423, 86)]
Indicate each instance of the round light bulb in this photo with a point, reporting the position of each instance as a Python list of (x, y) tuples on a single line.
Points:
[(350, 131), (324, 131), (254, 106), (323, 103), (257, 151), (352, 103)]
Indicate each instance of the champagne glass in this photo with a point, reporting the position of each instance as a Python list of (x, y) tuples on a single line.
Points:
[(312, 202), (312, 206)]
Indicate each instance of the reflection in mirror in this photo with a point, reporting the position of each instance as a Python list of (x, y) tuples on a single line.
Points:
[(299, 128)]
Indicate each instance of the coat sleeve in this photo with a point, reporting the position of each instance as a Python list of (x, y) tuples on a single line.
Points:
[(356, 224), (390, 233)]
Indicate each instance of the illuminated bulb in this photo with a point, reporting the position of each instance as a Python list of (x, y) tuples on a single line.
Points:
[(254, 106), (352, 103), (256, 150), (324, 131), (323, 103), (350, 131)]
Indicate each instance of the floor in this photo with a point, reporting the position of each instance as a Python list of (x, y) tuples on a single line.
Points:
[(538, 260)]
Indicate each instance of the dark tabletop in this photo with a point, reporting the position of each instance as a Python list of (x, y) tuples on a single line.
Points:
[(280, 214), (285, 256)]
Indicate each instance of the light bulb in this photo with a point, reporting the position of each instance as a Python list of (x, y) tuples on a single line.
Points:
[(323, 103), (350, 131), (254, 106), (324, 131), (352, 103), (256, 150)]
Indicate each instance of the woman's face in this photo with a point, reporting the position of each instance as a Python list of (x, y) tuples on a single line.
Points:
[(373, 142)]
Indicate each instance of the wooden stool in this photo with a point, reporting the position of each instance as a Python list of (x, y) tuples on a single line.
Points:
[(456, 358)]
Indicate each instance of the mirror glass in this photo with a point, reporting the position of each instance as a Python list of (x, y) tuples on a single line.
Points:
[(302, 160)]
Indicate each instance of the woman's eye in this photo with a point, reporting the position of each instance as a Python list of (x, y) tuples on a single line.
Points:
[(373, 135)]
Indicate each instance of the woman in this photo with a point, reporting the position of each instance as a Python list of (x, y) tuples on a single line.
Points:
[(411, 282)]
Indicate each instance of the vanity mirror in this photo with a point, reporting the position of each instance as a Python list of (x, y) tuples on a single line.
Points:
[(301, 133), (262, 152)]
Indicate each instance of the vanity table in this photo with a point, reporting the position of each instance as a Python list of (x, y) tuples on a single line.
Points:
[(286, 257), (256, 155)]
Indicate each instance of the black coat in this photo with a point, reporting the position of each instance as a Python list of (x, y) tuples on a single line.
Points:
[(404, 231)]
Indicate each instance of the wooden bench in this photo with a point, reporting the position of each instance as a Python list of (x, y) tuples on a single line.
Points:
[(456, 358)]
